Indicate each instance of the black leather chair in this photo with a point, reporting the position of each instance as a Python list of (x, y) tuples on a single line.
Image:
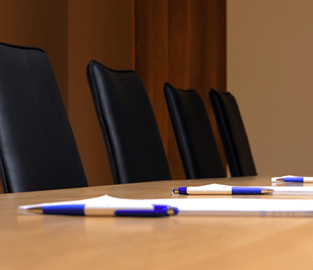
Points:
[(129, 127), (37, 147), (195, 138), (233, 134)]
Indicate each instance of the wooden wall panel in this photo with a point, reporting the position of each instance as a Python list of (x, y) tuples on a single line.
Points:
[(73, 32), (99, 30), (40, 24), (182, 42)]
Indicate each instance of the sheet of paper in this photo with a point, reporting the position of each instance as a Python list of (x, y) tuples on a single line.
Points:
[(209, 207), (103, 201)]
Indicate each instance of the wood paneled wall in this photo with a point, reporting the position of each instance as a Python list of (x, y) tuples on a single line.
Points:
[(40, 24), (73, 32), (182, 42), (178, 41), (99, 30)]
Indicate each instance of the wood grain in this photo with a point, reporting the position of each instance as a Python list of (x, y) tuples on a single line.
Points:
[(60, 242), (182, 42)]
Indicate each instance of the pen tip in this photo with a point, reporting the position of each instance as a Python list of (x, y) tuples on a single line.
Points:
[(280, 179), (267, 190), (37, 210), (172, 211), (175, 191)]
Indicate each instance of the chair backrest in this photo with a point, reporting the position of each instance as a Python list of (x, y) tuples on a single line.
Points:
[(37, 146), (195, 138), (129, 127), (233, 134)]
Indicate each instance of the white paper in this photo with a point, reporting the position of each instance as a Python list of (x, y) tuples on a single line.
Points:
[(103, 201), (209, 207)]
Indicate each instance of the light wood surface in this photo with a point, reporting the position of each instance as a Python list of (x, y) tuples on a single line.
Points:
[(61, 242)]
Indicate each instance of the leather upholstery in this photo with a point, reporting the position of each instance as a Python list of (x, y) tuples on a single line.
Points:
[(129, 127), (37, 147), (233, 134), (195, 138)]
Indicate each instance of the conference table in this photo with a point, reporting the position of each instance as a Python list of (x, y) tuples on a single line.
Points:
[(35, 241)]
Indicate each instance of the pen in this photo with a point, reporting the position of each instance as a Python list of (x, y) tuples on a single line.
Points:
[(295, 179), (85, 210), (221, 191)]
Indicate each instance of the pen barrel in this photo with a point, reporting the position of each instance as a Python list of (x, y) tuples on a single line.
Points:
[(201, 191), (85, 210), (93, 210), (149, 211), (120, 211), (224, 190)]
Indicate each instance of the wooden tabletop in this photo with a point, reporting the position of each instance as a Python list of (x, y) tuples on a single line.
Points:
[(179, 242)]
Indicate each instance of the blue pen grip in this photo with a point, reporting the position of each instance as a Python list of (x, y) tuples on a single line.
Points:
[(158, 211), (71, 210), (293, 179), (182, 190), (246, 190)]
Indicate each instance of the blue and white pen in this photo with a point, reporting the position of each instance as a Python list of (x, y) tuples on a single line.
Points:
[(223, 190), (296, 179), (85, 210)]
